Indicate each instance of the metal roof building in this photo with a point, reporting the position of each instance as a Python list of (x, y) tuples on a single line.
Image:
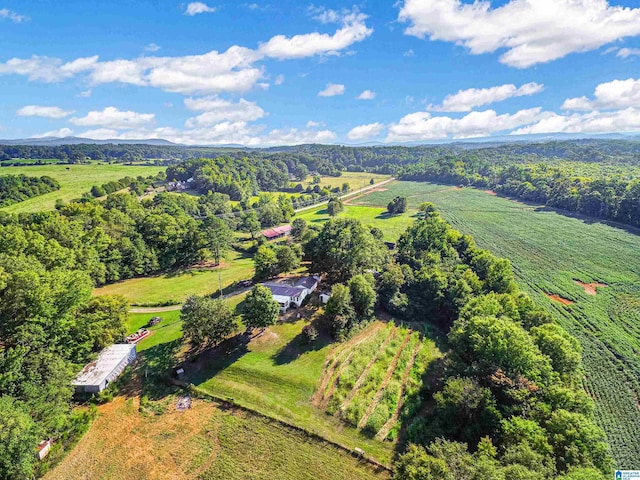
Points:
[(97, 375), (277, 232)]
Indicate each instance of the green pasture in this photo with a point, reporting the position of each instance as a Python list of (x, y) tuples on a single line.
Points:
[(173, 288), (74, 181)]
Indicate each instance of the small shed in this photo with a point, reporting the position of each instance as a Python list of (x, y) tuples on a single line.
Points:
[(277, 232), (97, 375), (324, 297), (43, 449)]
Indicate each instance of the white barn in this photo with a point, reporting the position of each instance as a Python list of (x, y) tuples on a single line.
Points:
[(97, 375)]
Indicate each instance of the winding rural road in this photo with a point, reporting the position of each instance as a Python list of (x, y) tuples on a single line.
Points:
[(172, 308)]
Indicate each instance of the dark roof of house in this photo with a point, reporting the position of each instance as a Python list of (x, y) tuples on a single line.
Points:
[(284, 290), (307, 282), (276, 231)]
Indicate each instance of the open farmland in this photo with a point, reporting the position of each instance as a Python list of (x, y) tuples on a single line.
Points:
[(549, 252), (204, 442), (74, 181)]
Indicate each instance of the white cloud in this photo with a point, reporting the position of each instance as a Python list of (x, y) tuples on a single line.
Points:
[(85, 93), (628, 52), (627, 120), (45, 69), (233, 70), (616, 94), (466, 100), (40, 111), (113, 118), (531, 31), (13, 16), (279, 80), (312, 124), (195, 8), (61, 133), (367, 95), (422, 126), (363, 132), (294, 136), (331, 90), (353, 30), (409, 53), (217, 109), (152, 47)]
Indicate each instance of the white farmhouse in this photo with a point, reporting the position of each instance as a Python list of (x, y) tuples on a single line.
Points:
[(289, 296), (97, 375)]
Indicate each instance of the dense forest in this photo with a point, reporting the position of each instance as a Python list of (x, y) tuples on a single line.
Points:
[(16, 188), (507, 400)]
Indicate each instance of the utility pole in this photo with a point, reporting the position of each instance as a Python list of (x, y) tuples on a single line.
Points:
[(220, 282)]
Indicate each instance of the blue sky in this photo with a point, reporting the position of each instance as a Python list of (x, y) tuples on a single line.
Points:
[(288, 72)]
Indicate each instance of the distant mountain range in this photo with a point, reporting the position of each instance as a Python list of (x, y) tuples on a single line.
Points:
[(471, 142)]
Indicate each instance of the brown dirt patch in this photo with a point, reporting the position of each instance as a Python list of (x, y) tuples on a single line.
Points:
[(559, 299), (491, 192), (591, 288)]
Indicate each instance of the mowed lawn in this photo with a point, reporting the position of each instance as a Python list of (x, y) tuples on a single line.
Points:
[(205, 442), (74, 181), (174, 287), (276, 374), (549, 251), (356, 180), (392, 226)]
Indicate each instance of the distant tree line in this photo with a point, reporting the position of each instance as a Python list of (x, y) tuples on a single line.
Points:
[(17, 188), (615, 197)]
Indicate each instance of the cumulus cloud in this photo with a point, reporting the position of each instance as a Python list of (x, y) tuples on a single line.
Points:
[(312, 124), (467, 100), (353, 30), (363, 132), (628, 52), (367, 95), (233, 70), (217, 109), (61, 133), (331, 90), (422, 126), (531, 31), (46, 112), (7, 14), (626, 120), (195, 8), (113, 118), (617, 94)]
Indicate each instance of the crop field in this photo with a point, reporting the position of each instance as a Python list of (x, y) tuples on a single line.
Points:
[(276, 374), (173, 288), (204, 442), (549, 252), (74, 181), (375, 380)]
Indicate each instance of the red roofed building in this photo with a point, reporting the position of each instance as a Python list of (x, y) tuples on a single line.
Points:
[(277, 232)]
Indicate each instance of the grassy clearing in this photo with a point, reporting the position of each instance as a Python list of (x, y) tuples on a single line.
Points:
[(356, 180), (174, 287), (276, 374), (549, 251), (74, 181), (391, 225), (205, 442)]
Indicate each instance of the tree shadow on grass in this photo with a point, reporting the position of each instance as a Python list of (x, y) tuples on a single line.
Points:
[(157, 368), (208, 364), (299, 345)]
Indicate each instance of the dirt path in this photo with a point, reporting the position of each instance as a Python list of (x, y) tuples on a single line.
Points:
[(392, 366), (327, 375), (384, 431), (365, 372), (170, 308)]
